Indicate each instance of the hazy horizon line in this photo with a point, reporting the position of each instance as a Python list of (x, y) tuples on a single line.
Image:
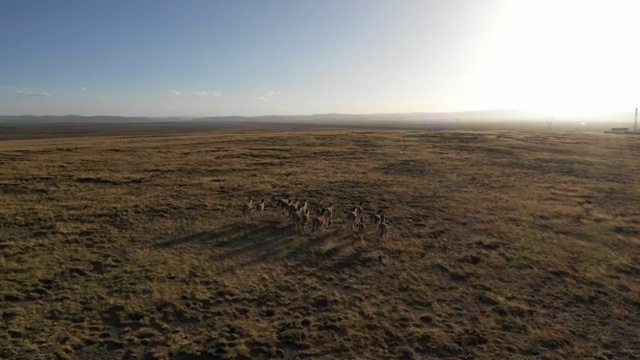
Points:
[(549, 114)]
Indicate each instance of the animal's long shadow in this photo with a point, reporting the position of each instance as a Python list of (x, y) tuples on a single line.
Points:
[(276, 242), (203, 237), (265, 242), (307, 248)]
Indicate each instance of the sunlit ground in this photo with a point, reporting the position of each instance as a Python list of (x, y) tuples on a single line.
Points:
[(501, 244)]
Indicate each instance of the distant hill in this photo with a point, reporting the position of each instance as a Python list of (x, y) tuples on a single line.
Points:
[(485, 115), (83, 119), (483, 119)]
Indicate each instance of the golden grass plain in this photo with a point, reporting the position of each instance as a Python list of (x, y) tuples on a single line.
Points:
[(502, 245)]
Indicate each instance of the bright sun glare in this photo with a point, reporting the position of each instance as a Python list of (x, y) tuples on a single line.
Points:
[(565, 57)]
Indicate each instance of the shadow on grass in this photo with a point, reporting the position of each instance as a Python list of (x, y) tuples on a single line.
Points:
[(203, 236), (252, 240), (276, 243), (263, 243), (251, 244)]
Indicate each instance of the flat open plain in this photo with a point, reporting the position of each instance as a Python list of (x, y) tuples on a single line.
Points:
[(502, 245)]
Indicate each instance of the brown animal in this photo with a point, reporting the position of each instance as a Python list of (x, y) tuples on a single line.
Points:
[(382, 229), (317, 224), (247, 209), (304, 206), (293, 210), (375, 218), (359, 225), (352, 218), (261, 206), (304, 219), (358, 209), (284, 205), (327, 213)]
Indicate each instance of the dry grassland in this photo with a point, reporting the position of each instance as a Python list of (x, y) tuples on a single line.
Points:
[(502, 245)]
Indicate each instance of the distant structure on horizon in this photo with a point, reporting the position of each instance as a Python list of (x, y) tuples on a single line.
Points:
[(626, 130)]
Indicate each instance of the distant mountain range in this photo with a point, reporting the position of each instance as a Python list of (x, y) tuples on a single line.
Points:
[(482, 118), (40, 119)]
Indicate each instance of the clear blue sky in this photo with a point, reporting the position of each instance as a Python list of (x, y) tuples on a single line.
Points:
[(166, 58)]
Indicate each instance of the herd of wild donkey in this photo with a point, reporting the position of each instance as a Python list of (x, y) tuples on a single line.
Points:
[(319, 216)]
